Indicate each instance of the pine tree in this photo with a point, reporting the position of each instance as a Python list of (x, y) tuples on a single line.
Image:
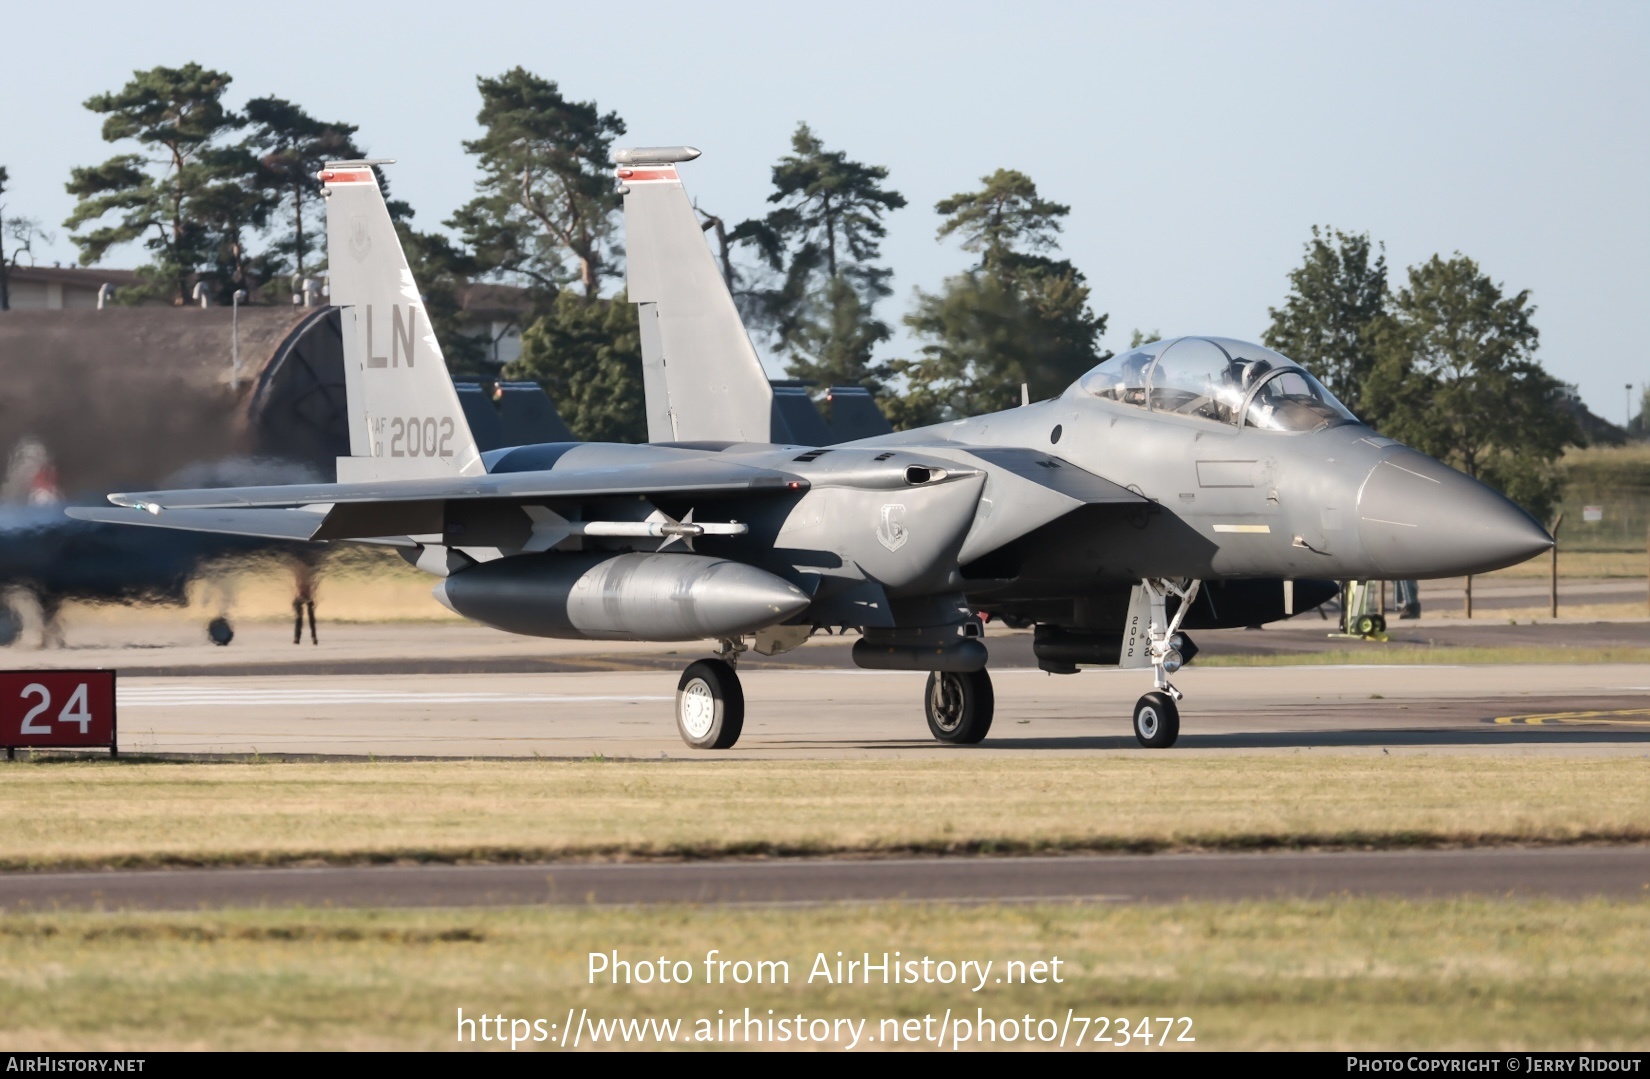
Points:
[(292, 146), (547, 197), (823, 240), (185, 208), (1334, 313), (588, 358), (1018, 317)]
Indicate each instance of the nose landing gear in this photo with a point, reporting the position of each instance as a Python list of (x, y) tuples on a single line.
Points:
[(1160, 644)]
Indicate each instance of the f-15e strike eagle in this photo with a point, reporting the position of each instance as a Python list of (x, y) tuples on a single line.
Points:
[(1190, 483)]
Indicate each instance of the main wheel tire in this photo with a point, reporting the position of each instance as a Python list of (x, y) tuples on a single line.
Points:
[(710, 705), (1156, 720), (220, 632), (959, 706)]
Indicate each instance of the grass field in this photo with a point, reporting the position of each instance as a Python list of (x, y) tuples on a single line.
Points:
[(1335, 974), (136, 814), (354, 585), (1574, 565)]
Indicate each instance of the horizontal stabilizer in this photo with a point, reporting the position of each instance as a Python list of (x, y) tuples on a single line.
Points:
[(694, 477)]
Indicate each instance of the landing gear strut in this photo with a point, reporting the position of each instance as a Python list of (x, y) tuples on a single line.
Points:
[(1157, 715), (959, 706), (710, 703)]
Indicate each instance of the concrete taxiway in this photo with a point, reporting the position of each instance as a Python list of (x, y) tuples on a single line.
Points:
[(457, 691), (1565, 872), (848, 713), (438, 690)]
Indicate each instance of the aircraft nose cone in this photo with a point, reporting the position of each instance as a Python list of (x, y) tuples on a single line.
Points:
[(1420, 518)]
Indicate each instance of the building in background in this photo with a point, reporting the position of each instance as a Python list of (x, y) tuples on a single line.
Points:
[(57, 288)]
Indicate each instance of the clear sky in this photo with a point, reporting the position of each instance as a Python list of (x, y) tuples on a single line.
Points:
[(1196, 143)]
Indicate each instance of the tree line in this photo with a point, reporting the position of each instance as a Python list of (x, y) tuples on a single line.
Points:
[(1446, 361)]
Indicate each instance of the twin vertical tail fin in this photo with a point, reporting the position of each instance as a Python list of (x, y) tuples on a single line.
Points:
[(405, 419), (701, 375)]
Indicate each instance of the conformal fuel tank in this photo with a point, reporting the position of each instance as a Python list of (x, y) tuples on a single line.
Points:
[(622, 597)]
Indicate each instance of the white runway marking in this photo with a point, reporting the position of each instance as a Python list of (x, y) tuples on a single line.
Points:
[(185, 696)]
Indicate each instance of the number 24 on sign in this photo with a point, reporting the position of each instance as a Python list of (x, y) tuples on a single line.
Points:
[(57, 708)]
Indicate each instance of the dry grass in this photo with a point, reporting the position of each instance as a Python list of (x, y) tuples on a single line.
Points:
[(1331, 974), (1567, 612), (130, 814), (355, 584), (1578, 565), (1382, 652), (394, 592)]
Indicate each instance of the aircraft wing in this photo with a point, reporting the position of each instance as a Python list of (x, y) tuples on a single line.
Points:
[(693, 477), (274, 524)]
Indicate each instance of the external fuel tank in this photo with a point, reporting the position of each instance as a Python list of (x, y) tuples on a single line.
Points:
[(622, 597)]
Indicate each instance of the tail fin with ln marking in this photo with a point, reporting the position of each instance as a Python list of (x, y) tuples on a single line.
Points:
[(405, 419)]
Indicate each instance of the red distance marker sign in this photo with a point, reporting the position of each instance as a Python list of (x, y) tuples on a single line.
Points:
[(57, 709)]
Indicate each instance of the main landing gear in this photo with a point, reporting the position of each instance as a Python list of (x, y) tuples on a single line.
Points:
[(959, 706), (710, 703), (1157, 714)]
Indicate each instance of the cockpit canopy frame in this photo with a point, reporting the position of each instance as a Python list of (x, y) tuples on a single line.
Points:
[(1220, 380)]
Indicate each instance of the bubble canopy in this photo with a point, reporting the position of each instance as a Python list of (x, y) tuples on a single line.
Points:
[(1220, 380)]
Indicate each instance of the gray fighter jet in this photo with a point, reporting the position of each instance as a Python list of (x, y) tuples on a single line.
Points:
[(1198, 482)]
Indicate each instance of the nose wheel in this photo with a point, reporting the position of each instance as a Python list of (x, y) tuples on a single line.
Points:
[(1156, 720), (959, 706), (1157, 715)]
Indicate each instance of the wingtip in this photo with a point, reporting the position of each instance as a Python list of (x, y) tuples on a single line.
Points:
[(133, 502), (655, 155)]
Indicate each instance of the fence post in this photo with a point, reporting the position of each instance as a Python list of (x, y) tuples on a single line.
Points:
[(1557, 521)]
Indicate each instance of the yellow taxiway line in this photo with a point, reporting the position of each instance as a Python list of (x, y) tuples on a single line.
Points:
[(1610, 717)]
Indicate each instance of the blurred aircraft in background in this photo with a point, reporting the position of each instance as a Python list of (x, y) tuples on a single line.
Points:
[(48, 559)]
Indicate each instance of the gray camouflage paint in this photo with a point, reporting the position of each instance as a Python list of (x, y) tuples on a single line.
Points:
[(1051, 511)]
